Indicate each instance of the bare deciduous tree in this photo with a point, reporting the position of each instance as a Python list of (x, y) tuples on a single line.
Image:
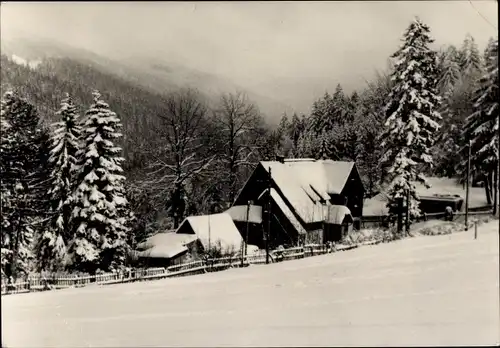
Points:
[(185, 152), (236, 119)]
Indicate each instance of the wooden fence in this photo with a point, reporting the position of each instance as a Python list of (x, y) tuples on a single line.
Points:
[(39, 283)]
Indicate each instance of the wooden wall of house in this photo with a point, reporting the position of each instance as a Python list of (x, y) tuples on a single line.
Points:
[(185, 229), (354, 192), (255, 233), (314, 237), (151, 262), (254, 187), (282, 230), (332, 233)]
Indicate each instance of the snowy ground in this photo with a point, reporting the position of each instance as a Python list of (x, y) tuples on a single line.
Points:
[(440, 290)]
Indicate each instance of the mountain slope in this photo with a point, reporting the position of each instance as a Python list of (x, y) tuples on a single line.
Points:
[(45, 86), (151, 73)]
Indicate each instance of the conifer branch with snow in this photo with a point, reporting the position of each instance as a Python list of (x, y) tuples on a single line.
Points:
[(100, 215), (412, 116), (20, 152), (482, 125), (51, 245)]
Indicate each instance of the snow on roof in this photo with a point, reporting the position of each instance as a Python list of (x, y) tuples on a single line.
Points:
[(165, 245), (163, 252), (337, 174), (337, 213), (239, 213), (216, 228), (288, 213), (305, 183)]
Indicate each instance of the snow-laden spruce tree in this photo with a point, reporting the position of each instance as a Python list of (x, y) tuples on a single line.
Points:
[(6, 140), (50, 247), (100, 215), (450, 73), (412, 116), (20, 154), (470, 58), (451, 88), (321, 114), (324, 150), (482, 125)]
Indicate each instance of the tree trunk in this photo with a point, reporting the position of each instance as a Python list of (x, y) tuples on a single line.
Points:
[(232, 183), (487, 188), (491, 181), (495, 191), (370, 187), (13, 266)]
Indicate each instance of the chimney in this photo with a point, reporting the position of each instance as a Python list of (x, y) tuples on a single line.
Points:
[(280, 158)]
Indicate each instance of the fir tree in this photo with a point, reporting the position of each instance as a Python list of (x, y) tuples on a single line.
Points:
[(470, 58), (322, 115), (370, 125), (100, 213), (325, 146), (20, 151), (308, 144), (51, 244), (339, 108), (482, 125), (450, 73), (297, 126), (346, 141), (411, 115), (6, 142)]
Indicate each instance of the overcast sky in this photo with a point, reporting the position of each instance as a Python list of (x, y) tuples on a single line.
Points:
[(257, 44)]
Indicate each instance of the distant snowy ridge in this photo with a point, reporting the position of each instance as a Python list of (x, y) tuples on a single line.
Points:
[(21, 61)]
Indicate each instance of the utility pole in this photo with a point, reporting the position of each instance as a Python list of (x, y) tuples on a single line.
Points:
[(467, 190), (407, 228), (400, 215), (248, 226), (209, 233), (268, 229), (495, 193), (496, 208), (244, 249)]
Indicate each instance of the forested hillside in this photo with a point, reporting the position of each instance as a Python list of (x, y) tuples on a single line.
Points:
[(45, 86), (186, 154)]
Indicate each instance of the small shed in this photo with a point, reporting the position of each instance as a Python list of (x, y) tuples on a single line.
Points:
[(164, 249), (212, 230)]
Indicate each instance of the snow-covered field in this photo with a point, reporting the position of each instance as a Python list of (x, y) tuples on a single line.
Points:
[(440, 290)]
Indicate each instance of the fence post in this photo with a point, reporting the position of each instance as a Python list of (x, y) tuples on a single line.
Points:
[(475, 228), (400, 215)]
